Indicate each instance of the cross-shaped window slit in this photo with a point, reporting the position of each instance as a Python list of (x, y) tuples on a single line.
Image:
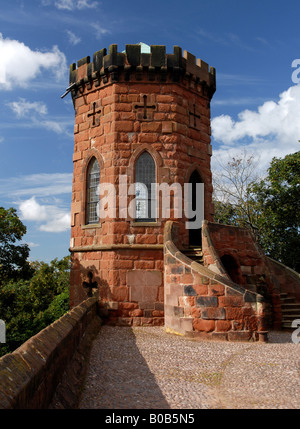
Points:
[(94, 113), (144, 106), (194, 115)]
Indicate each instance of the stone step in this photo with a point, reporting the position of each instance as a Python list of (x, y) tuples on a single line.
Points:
[(195, 253), (290, 307), (192, 253), (287, 325), (193, 250), (289, 300), (290, 310), (286, 318)]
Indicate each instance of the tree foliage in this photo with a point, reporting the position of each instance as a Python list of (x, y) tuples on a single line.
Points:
[(269, 206), (233, 198), (28, 306), (32, 294), (278, 199), (13, 255)]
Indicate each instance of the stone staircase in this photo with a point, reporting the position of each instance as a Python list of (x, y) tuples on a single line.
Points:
[(195, 253), (290, 310)]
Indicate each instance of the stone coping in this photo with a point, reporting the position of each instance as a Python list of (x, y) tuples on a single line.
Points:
[(30, 375)]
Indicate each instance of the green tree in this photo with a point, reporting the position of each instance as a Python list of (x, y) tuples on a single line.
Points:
[(269, 206), (225, 213), (28, 306), (233, 199), (278, 201), (13, 256)]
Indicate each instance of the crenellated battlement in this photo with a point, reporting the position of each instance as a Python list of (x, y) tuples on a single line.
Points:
[(135, 65)]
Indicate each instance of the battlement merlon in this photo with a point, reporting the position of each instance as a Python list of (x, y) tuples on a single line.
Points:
[(132, 63)]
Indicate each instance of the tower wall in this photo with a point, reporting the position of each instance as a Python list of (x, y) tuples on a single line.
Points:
[(127, 103)]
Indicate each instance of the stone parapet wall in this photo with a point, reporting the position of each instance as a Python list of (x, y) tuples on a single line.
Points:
[(30, 375), (204, 304), (286, 279)]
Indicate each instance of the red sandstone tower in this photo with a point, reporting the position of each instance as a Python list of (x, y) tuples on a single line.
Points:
[(145, 117)]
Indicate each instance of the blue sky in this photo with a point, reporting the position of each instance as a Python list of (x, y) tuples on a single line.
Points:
[(252, 45)]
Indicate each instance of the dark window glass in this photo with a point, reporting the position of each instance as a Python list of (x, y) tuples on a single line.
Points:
[(144, 198), (93, 192)]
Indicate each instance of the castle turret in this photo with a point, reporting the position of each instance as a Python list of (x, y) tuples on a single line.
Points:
[(140, 118)]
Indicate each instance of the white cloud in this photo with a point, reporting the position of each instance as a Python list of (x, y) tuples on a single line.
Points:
[(19, 64), (75, 4), (99, 30), (33, 111), (73, 39), (41, 198), (272, 130), (55, 126), (41, 185), (60, 222), (238, 101), (31, 210), (31, 244), (23, 107), (227, 79), (52, 217)]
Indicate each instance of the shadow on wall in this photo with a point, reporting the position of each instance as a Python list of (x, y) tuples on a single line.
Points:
[(119, 374), (232, 269), (85, 282)]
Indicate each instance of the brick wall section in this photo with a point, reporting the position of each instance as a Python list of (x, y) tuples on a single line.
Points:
[(238, 243), (286, 279), (30, 375), (203, 304)]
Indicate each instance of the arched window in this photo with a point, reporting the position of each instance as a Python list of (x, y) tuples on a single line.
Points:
[(145, 204), (93, 178)]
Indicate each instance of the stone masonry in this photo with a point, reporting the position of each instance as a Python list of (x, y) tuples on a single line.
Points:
[(113, 125), (128, 104)]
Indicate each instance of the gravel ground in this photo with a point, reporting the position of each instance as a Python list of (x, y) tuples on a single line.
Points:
[(146, 368)]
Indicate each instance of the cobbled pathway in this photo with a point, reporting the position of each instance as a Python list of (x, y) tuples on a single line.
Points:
[(146, 368)]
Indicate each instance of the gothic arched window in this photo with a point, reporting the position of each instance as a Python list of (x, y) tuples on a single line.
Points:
[(93, 179), (145, 204)]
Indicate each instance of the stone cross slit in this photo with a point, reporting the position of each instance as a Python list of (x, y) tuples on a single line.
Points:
[(94, 113), (144, 106), (90, 285), (194, 115)]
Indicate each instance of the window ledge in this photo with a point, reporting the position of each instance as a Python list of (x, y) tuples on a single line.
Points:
[(134, 223), (91, 225)]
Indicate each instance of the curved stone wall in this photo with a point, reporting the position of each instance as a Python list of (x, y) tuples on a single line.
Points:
[(205, 304)]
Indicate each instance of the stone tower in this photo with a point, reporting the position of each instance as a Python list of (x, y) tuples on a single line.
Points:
[(139, 118)]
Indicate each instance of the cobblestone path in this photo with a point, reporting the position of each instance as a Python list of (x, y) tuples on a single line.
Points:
[(146, 368)]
